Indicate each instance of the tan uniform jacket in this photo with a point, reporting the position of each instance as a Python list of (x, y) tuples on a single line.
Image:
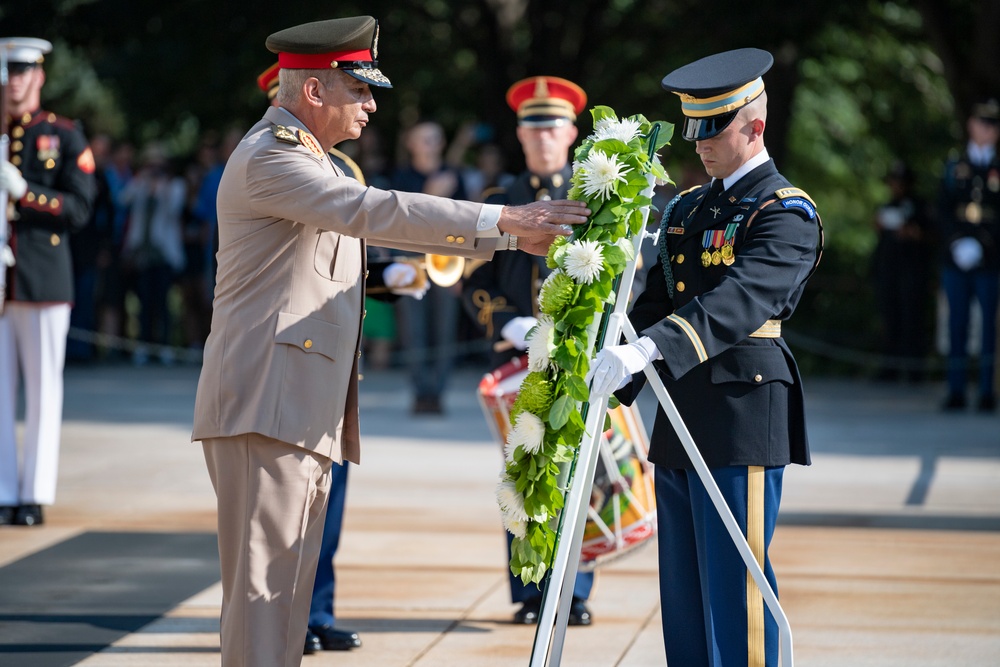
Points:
[(281, 359)]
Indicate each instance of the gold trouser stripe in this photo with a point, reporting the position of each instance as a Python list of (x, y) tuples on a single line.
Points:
[(770, 329), (755, 538), (692, 335)]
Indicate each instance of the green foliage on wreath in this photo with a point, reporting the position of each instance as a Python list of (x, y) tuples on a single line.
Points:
[(610, 171)]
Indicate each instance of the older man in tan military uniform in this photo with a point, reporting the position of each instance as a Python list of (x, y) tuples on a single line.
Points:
[(277, 401)]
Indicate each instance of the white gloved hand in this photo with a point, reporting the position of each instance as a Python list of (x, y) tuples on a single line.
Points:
[(614, 365), (12, 181), (967, 253), (516, 331), (413, 292), (399, 274)]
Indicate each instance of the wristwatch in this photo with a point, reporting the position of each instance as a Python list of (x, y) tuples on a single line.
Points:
[(511, 242)]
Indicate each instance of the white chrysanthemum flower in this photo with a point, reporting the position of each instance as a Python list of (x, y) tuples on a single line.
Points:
[(540, 344), (508, 450), (515, 527), (624, 130), (527, 433), (584, 261), (509, 500), (600, 173)]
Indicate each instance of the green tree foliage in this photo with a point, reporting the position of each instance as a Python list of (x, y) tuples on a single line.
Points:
[(855, 84)]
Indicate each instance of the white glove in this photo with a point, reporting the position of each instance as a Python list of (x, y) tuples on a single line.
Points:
[(399, 274), (967, 253), (12, 181), (614, 366), (515, 332)]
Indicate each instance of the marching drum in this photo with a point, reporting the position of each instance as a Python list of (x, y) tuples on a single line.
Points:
[(622, 512)]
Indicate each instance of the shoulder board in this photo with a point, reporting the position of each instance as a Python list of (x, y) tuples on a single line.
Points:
[(286, 134), (689, 191), (786, 193), (352, 168), (52, 119)]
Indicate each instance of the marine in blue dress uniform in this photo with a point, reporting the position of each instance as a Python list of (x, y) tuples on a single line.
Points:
[(502, 295), (734, 258), (969, 220), (51, 187)]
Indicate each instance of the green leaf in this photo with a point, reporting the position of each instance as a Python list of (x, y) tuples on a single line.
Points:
[(614, 258), (577, 388), (560, 411)]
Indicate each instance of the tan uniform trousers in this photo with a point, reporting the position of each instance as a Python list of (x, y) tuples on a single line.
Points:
[(272, 499)]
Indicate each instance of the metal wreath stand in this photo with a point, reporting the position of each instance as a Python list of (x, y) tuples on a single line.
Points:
[(550, 634)]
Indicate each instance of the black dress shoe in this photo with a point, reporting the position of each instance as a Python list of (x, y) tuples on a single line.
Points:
[(987, 403), (578, 613), (29, 515), (332, 639), (7, 515), (528, 613), (954, 402), (312, 643)]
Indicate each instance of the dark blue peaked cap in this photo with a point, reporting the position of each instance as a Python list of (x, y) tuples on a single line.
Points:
[(715, 88)]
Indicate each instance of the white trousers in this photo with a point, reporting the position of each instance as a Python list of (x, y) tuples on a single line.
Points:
[(32, 346)]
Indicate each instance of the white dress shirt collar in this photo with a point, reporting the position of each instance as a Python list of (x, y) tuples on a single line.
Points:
[(748, 166)]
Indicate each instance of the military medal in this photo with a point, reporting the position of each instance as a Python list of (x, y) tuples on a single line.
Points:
[(728, 255), (706, 242)]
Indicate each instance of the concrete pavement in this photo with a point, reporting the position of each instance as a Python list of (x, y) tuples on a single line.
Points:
[(888, 552)]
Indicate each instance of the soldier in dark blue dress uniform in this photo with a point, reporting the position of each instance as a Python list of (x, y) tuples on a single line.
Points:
[(969, 220), (735, 255), (50, 183), (502, 295)]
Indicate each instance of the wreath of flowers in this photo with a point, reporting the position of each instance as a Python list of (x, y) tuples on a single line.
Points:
[(610, 171)]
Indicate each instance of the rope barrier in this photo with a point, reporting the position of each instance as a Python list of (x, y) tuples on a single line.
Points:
[(815, 346)]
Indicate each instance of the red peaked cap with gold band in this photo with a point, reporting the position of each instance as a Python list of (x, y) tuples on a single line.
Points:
[(348, 44), (546, 101), (268, 81)]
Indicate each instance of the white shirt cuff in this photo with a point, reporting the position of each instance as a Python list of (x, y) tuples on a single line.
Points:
[(486, 226), (647, 344)]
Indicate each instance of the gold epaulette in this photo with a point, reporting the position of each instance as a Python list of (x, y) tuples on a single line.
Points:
[(689, 190), (785, 193), (352, 168), (286, 134), (489, 192)]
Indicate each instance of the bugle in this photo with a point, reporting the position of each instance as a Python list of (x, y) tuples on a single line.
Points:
[(443, 270)]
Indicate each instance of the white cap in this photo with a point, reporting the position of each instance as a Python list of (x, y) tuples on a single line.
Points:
[(26, 50)]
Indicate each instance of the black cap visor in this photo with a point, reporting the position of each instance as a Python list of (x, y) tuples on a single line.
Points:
[(365, 71), (699, 129)]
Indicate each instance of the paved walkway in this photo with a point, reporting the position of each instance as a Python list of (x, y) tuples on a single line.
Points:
[(888, 552)]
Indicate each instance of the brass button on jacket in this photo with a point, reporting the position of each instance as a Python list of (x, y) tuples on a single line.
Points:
[(308, 343)]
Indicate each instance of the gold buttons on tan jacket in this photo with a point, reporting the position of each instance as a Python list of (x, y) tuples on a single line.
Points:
[(450, 238), (459, 239), (308, 343)]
